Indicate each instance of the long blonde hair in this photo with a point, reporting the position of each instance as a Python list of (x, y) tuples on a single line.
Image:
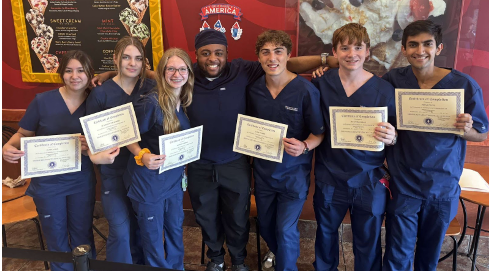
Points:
[(166, 97)]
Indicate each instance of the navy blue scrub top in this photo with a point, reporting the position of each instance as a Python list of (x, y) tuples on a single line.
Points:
[(48, 115), (147, 185), (216, 105), (297, 105), (110, 95), (428, 165), (345, 167)]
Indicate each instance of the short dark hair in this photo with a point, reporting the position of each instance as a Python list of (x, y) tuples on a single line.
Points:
[(422, 26), (277, 37), (353, 32), (84, 60)]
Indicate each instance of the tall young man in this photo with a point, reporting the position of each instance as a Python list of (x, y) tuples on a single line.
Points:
[(281, 188), (426, 167), (348, 179)]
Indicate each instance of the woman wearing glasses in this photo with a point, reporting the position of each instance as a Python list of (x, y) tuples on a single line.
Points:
[(127, 86), (158, 198)]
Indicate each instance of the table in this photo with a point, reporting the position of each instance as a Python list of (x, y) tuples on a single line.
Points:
[(482, 200), (9, 194)]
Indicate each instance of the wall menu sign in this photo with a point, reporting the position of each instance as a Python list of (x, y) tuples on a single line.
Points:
[(46, 29)]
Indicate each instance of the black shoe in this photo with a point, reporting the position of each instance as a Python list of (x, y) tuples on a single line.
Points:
[(239, 267), (214, 267)]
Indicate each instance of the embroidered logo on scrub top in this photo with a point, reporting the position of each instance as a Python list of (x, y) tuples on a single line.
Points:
[(292, 108), (222, 89)]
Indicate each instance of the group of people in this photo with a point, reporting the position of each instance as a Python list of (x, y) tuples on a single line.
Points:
[(143, 207)]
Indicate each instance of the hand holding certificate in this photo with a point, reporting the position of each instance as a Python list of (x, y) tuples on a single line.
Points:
[(180, 148), (50, 155), (429, 110), (353, 127), (260, 138), (113, 127)]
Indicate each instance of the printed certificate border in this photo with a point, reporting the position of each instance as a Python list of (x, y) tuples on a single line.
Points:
[(31, 140), (355, 145), (198, 130), (244, 118), (402, 126), (23, 43), (88, 134)]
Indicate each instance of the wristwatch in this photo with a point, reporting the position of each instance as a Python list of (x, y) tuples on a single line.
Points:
[(306, 148), (324, 57)]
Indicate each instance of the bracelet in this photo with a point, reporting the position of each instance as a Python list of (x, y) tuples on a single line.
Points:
[(139, 157)]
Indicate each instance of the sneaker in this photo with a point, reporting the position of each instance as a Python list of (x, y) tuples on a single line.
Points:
[(239, 267), (268, 260), (215, 267)]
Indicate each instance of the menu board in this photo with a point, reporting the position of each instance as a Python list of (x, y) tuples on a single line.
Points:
[(47, 29)]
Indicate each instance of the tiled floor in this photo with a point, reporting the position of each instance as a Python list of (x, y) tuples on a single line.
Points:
[(23, 235)]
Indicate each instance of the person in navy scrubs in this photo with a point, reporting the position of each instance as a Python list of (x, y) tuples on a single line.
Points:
[(426, 167), (348, 179), (219, 184), (158, 198), (64, 202), (281, 188), (126, 87)]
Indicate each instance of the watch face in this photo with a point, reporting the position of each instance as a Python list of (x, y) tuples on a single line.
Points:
[(306, 151)]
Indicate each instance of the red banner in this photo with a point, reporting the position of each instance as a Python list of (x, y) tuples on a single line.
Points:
[(221, 9)]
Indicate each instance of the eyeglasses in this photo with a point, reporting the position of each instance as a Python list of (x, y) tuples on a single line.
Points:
[(182, 71)]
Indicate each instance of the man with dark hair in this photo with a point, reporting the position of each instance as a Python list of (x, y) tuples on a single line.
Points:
[(350, 179), (426, 167), (281, 188)]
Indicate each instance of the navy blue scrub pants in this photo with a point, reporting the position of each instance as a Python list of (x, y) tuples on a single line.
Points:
[(67, 223), (220, 196), (367, 205), (278, 215), (123, 244), (162, 218), (410, 218)]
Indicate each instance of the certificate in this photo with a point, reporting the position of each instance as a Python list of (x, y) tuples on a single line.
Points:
[(429, 110), (354, 127), (260, 138), (50, 155), (181, 147), (113, 127)]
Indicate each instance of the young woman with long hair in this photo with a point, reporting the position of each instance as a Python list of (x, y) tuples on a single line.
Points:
[(127, 86), (158, 198)]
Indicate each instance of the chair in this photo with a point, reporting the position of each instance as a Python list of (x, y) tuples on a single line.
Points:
[(253, 214), (17, 210)]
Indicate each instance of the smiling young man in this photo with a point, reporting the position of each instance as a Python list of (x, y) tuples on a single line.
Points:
[(348, 179), (426, 167), (281, 188)]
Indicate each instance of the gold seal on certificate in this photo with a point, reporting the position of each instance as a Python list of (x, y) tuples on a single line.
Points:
[(181, 147), (260, 138), (117, 126), (354, 127), (50, 155), (429, 110)]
